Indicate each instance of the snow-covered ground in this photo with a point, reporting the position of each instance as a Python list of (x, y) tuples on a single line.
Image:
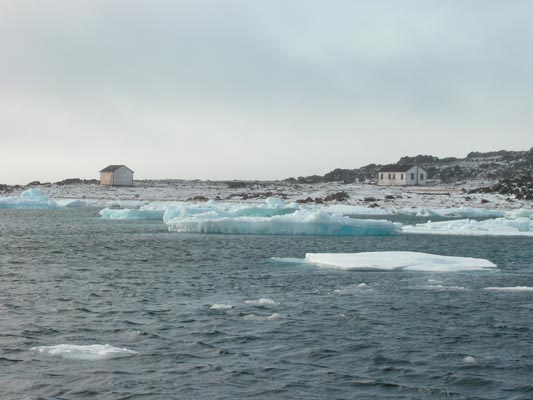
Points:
[(363, 195)]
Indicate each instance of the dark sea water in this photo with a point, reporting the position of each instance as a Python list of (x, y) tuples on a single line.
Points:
[(69, 277)]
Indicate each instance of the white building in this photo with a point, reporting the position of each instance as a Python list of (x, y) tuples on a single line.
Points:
[(402, 175), (116, 175)]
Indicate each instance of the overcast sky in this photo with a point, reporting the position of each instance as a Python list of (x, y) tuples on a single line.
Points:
[(257, 89)]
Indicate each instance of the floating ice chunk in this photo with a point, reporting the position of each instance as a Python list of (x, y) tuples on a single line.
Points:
[(29, 199), (521, 213), (443, 287), (457, 212), (398, 260), (498, 227), (70, 203), (262, 302), (469, 360), (85, 353), (300, 222), (274, 202), (511, 289), (221, 307), (130, 213), (343, 209), (362, 285), (255, 317)]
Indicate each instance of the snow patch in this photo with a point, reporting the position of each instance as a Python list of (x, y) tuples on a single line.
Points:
[(84, 353), (398, 260)]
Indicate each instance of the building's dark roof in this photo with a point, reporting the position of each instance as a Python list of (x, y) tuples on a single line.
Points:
[(113, 168), (397, 168)]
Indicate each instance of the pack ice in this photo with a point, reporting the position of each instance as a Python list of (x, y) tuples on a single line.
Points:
[(469, 227), (29, 199), (299, 222), (398, 260)]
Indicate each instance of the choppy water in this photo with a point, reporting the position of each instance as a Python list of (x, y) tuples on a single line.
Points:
[(70, 278)]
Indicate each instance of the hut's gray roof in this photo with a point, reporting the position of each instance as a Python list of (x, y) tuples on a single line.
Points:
[(397, 168), (113, 168)]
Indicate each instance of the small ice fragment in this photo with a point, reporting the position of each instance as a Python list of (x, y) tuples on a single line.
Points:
[(84, 353), (469, 360), (511, 289), (221, 307), (262, 302), (362, 285)]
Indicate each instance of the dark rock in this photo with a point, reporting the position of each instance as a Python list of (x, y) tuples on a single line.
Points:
[(77, 181), (389, 197), (339, 196), (484, 201), (369, 199), (34, 183), (319, 200), (198, 198)]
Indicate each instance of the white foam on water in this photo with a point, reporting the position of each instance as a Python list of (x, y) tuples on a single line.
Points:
[(511, 289), (362, 285), (398, 260), (274, 317), (262, 302), (84, 353), (221, 307)]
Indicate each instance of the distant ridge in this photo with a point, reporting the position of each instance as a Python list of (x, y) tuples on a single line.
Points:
[(502, 164)]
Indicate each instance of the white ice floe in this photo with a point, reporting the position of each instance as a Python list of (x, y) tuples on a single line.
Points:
[(300, 222), (84, 353), (29, 199), (469, 227), (453, 212), (221, 307), (262, 302), (511, 289), (346, 209), (398, 260), (129, 213)]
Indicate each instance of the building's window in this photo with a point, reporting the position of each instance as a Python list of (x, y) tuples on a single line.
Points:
[(421, 177), (401, 177), (393, 176), (381, 176), (389, 177), (412, 176)]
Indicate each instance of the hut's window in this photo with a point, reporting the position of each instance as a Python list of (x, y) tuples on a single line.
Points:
[(421, 177), (412, 176)]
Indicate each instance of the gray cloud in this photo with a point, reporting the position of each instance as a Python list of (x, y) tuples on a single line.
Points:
[(244, 89)]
